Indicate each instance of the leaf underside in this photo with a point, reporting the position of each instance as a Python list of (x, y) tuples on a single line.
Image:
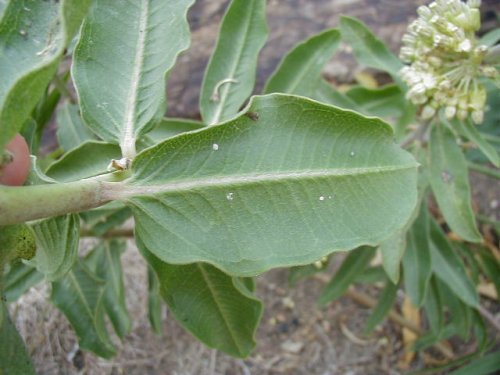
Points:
[(286, 183)]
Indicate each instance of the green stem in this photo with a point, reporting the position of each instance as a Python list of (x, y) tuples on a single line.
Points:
[(485, 170), (26, 203), (416, 135), (63, 89)]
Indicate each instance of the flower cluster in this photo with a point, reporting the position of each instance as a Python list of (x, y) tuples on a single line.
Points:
[(446, 60)]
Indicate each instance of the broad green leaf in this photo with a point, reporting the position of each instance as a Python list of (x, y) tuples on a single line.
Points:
[(434, 308), (120, 63), (105, 263), (231, 71), (168, 127), (368, 49), (208, 304), (79, 296), (89, 159), (71, 131), (450, 183), (353, 265), (154, 302), (385, 302), (19, 279), (112, 220), (468, 130), (387, 101), (57, 245), (417, 259), (286, 183), (487, 365), (448, 267), (300, 70), (326, 93), (33, 35), (14, 358)]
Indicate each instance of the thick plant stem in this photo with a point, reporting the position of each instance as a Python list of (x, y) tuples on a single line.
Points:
[(21, 204)]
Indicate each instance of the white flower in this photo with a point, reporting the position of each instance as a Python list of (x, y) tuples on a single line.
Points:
[(446, 60)]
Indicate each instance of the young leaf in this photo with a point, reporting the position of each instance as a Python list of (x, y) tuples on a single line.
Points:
[(392, 250), (486, 365), (450, 183), (89, 159), (286, 183), (352, 266), (459, 313), (79, 296), (491, 267), (120, 63), (367, 48), (154, 302), (105, 260), (19, 279), (300, 70), (14, 358), (417, 259), (168, 127), (385, 302), (301, 272), (208, 304), (468, 130), (448, 267), (33, 35), (57, 245), (231, 71), (71, 131)]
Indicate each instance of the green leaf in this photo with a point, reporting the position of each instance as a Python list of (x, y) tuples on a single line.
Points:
[(33, 35), (120, 63), (300, 70), (468, 130), (105, 260), (154, 302), (71, 131), (371, 275), (295, 184), (489, 364), (57, 245), (110, 221), (448, 267), (387, 101), (19, 279), (352, 266), (301, 272), (207, 302), (367, 48), (230, 75), (417, 259), (14, 358), (79, 296), (490, 38), (392, 250), (326, 93), (450, 183), (459, 313), (168, 127), (87, 160), (385, 302), (434, 308)]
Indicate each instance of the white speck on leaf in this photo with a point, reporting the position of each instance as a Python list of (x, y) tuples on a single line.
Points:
[(322, 198), (215, 147), (230, 196), (352, 153)]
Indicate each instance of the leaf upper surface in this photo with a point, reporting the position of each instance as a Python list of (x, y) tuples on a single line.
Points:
[(287, 182)]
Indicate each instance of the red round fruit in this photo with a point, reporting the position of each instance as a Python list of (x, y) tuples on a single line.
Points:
[(16, 172)]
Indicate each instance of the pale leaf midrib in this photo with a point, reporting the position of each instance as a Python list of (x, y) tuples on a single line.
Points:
[(129, 190), (128, 141)]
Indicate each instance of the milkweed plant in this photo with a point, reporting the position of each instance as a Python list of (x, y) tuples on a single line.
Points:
[(293, 177)]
